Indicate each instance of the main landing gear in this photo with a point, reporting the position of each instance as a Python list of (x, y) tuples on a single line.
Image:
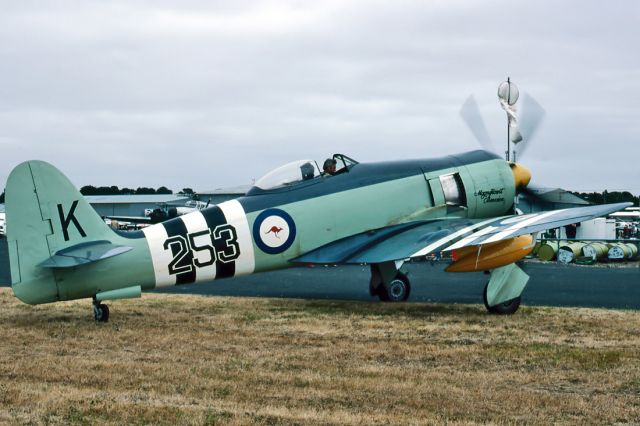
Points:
[(502, 294), (100, 311), (389, 283), (505, 308), (398, 290)]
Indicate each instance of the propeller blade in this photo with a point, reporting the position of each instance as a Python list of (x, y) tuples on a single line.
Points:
[(531, 116), (470, 113)]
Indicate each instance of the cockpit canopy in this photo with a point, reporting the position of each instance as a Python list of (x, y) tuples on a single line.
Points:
[(290, 173), (300, 171)]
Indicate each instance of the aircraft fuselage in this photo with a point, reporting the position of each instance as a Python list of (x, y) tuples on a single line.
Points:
[(266, 229)]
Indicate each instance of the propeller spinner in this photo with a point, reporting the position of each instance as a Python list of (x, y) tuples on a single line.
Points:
[(521, 175)]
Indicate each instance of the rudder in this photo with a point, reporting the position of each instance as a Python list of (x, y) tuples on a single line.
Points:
[(45, 213)]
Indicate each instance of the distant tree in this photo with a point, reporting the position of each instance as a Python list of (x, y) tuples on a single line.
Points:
[(107, 190), (89, 190), (621, 197), (114, 190), (145, 191), (592, 197), (609, 197), (187, 191), (2, 198)]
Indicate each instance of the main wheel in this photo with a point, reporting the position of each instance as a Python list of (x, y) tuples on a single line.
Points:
[(101, 313), (398, 289), (505, 308)]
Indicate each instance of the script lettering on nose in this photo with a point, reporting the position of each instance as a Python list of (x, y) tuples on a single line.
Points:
[(68, 219)]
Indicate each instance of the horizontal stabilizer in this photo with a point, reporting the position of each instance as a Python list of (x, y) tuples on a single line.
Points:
[(84, 253)]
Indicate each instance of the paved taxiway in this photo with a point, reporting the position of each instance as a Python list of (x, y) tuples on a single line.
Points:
[(550, 284)]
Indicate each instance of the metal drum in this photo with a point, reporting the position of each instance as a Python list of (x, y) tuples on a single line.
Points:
[(595, 250), (569, 252)]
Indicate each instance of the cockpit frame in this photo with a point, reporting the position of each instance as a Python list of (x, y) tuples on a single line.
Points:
[(300, 173)]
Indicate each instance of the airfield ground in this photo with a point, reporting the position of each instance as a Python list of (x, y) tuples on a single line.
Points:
[(169, 359)]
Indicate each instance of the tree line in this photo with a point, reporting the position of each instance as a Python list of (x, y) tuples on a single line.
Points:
[(114, 190), (607, 197), (592, 197)]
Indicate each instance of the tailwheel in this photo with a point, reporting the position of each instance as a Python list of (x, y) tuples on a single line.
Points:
[(505, 308), (398, 290), (100, 311)]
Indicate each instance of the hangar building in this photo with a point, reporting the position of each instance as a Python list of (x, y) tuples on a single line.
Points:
[(132, 205), (136, 205), (220, 195), (549, 199)]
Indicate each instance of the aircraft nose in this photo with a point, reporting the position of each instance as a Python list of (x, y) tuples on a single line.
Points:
[(521, 175)]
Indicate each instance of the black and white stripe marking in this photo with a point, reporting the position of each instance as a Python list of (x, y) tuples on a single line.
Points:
[(183, 249)]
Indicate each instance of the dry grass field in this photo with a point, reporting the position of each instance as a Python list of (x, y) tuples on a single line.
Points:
[(196, 360)]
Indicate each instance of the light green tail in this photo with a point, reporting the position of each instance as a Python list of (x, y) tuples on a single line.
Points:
[(45, 214)]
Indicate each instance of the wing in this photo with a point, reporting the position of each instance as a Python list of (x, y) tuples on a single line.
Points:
[(389, 243), (514, 226), (416, 239)]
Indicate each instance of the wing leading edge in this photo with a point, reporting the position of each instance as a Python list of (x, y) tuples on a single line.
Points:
[(416, 239), (515, 226)]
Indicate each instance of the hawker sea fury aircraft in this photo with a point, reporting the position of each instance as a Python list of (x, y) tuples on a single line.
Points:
[(378, 214)]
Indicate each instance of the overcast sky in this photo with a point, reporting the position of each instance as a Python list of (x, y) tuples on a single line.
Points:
[(206, 94)]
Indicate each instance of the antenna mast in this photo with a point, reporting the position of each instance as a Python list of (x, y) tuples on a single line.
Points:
[(508, 94)]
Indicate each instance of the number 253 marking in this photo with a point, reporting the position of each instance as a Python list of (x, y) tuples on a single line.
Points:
[(206, 247)]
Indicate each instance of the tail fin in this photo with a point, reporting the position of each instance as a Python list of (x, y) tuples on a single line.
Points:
[(45, 214)]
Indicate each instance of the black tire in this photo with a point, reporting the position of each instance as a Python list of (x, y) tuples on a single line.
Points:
[(506, 308), (102, 313), (381, 291), (398, 289)]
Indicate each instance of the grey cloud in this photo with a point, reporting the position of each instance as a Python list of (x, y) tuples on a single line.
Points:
[(206, 94)]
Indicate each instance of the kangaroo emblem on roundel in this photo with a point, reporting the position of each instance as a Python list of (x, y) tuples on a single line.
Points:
[(276, 230)]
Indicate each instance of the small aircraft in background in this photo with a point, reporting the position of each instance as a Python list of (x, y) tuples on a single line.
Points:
[(379, 214), (164, 212), (2, 224)]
